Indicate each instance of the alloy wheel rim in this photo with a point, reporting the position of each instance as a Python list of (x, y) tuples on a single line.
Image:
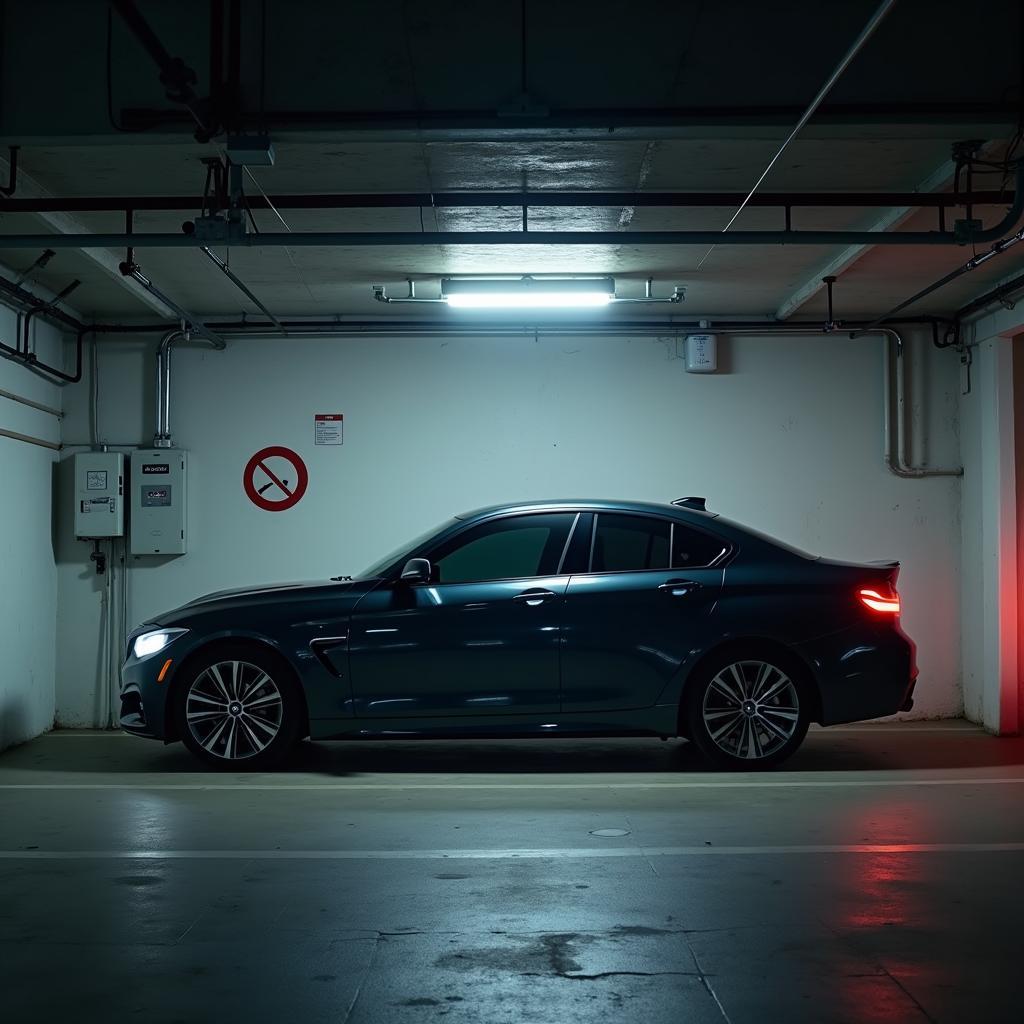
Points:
[(751, 709), (234, 710)]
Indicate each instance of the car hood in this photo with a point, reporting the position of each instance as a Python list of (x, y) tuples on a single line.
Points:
[(265, 594)]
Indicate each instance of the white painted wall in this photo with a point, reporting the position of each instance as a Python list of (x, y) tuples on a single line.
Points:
[(788, 438), (28, 575)]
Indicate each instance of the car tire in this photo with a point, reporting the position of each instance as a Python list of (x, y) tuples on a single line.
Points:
[(748, 710), (239, 708)]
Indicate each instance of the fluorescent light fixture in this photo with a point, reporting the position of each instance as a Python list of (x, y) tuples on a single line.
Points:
[(528, 293)]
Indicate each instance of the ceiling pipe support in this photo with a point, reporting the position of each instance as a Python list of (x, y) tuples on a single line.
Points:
[(972, 264), (198, 327), (334, 239), (242, 287), (856, 46), (488, 200)]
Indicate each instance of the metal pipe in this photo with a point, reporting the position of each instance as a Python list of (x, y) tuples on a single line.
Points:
[(43, 308), (31, 361), (858, 44), (29, 439), (473, 327), (472, 200), (894, 378), (158, 397), (414, 238), (242, 287), (998, 294), (895, 386), (329, 239), (132, 271), (26, 300), (974, 262), (162, 438), (31, 403)]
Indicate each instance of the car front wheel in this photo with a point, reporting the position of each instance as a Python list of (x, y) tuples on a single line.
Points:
[(238, 708), (747, 712)]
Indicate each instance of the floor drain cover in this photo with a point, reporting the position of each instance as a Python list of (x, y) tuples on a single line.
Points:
[(609, 833)]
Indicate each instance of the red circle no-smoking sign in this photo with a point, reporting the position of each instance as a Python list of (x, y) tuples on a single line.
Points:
[(275, 478)]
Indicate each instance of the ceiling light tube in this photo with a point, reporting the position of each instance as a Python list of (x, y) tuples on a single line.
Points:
[(528, 293)]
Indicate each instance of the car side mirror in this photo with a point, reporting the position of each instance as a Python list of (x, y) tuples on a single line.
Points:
[(417, 570)]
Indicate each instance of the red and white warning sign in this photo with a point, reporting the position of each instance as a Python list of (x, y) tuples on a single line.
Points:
[(275, 479), (329, 428)]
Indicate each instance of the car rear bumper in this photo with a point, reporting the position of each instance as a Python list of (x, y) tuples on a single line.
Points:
[(864, 672)]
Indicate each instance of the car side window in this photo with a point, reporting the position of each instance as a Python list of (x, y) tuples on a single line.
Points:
[(625, 543), (512, 548), (692, 549)]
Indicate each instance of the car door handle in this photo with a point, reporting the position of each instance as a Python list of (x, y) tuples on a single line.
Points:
[(533, 597), (680, 588)]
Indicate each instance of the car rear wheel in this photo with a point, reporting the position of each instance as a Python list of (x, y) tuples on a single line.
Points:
[(238, 709), (748, 712)]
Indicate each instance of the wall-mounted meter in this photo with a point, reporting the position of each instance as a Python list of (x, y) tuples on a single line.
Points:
[(99, 494), (701, 353), (158, 502)]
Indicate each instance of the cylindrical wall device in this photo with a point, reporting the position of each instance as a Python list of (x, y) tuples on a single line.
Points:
[(701, 353)]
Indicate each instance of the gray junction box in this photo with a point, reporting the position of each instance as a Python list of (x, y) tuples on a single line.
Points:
[(158, 502), (99, 495)]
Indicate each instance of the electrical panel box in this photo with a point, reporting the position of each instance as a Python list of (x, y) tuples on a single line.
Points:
[(158, 502), (99, 494), (701, 353)]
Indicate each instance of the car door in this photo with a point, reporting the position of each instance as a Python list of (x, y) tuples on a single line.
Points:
[(482, 638), (643, 604)]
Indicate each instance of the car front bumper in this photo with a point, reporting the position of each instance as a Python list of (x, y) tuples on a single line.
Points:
[(144, 696)]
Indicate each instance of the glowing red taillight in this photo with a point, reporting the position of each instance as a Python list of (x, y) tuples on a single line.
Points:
[(879, 601)]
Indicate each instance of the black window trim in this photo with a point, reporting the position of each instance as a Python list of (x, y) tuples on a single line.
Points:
[(568, 541), (427, 552), (718, 561)]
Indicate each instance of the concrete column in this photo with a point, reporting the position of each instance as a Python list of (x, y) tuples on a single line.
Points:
[(992, 418)]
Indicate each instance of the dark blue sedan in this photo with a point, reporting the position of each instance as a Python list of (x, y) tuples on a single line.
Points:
[(552, 618)]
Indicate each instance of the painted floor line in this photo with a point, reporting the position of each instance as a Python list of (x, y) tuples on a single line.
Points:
[(895, 728), (571, 853), (385, 787), (906, 729)]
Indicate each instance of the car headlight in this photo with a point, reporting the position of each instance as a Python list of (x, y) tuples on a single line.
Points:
[(154, 641)]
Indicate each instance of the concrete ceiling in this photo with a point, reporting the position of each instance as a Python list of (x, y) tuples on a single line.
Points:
[(831, 155)]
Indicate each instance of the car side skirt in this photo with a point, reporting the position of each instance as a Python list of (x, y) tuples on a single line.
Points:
[(661, 720)]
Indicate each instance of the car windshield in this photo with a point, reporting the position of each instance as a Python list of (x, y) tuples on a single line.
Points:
[(403, 552)]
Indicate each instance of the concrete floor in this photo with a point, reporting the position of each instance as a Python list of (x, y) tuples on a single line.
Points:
[(878, 877)]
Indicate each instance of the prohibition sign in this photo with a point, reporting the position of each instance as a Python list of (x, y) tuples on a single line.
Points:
[(275, 491)]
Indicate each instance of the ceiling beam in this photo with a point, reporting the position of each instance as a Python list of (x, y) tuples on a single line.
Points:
[(64, 224), (839, 264), (472, 200)]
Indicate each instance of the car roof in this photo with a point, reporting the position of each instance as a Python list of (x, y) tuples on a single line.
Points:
[(589, 505)]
